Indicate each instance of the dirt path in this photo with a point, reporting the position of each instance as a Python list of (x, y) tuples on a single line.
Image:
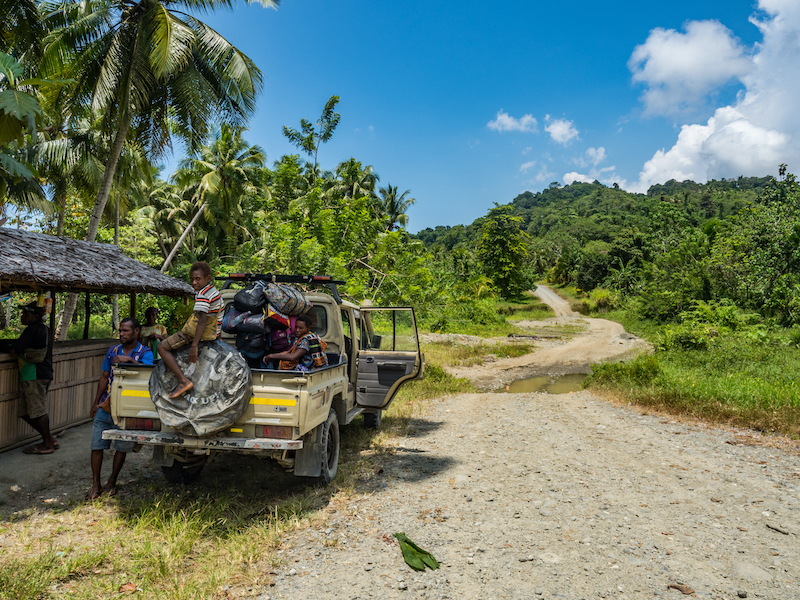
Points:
[(600, 341), (559, 496)]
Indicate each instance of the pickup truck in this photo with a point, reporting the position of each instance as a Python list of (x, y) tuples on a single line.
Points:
[(293, 417)]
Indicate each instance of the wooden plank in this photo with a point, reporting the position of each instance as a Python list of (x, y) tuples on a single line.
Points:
[(76, 368)]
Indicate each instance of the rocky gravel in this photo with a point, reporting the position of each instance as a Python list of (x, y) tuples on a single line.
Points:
[(559, 496)]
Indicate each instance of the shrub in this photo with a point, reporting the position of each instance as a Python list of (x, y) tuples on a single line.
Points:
[(640, 371), (602, 300), (580, 306), (686, 336)]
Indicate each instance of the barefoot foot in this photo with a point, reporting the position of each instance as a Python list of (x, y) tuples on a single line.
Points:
[(181, 388)]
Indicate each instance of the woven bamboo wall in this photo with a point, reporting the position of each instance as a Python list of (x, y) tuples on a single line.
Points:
[(76, 367)]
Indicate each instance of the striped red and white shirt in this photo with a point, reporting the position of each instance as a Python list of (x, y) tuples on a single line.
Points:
[(208, 300)]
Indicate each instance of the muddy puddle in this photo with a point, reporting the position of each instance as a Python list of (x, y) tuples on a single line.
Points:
[(549, 384)]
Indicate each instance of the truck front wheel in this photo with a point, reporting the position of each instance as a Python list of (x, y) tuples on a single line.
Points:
[(330, 448)]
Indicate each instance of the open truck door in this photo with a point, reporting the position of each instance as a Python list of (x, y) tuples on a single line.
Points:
[(388, 355)]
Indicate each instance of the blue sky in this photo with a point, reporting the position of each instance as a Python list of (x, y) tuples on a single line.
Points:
[(470, 103)]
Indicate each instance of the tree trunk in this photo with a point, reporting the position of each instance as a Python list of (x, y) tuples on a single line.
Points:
[(115, 304), (186, 231), (60, 199), (94, 221), (66, 316)]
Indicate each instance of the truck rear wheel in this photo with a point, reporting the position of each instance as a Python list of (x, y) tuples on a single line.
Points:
[(184, 473), (330, 448)]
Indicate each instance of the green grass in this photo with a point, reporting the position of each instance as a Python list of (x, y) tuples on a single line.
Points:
[(737, 380)]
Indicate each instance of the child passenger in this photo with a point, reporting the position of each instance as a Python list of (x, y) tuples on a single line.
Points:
[(307, 353), (204, 325)]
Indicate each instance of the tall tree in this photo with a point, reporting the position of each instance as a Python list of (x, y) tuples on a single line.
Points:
[(394, 207), (219, 178), (150, 68), (147, 68), (356, 181), (503, 251), (310, 139)]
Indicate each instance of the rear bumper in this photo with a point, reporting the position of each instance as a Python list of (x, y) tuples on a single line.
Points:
[(159, 438)]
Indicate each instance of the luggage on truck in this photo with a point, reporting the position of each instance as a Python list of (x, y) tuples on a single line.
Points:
[(286, 299), (280, 340), (252, 298), (276, 319), (250, 344)]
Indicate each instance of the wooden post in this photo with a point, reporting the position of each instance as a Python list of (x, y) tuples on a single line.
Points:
[(87, 310), (52, 317), (133, 305)]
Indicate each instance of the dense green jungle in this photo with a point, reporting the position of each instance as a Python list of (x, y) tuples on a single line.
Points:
[(706, 271)]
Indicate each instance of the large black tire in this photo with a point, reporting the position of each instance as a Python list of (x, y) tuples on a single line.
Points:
[(183, 473), (330, 448), (372, 420)]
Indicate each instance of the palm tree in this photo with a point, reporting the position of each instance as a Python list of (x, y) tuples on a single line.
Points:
[(219, 178), (149, 66), (356, 181), (394, 207), (21, 27), (146, 68)]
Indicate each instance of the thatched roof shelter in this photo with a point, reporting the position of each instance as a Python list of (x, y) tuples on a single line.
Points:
[(35, 261)]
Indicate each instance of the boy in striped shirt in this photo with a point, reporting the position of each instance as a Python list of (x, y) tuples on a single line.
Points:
[(204, 325)]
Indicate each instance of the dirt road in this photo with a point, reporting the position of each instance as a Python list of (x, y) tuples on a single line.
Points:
[(559, 496), (599, 341)]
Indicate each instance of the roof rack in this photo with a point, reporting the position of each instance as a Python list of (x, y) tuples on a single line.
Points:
[(325, 280)]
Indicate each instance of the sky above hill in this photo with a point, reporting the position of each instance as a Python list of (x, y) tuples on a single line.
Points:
[(468, 103)]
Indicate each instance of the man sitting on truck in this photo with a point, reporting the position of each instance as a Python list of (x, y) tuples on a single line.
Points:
[(307, 353), (129, 351), (204, 325)]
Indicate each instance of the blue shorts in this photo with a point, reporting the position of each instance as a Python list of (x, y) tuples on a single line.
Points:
[(103, 421)]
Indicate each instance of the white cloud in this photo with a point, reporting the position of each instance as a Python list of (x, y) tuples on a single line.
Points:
[(596, 155), (572, 177), (525, 167), (681, 69), (505, 122), (606, 175), (526, 149), (592, 156), (757, 133), (371, 128), (728, 146), (560, 130)]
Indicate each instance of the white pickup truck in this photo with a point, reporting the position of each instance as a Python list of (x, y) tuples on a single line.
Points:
[(292, 416)]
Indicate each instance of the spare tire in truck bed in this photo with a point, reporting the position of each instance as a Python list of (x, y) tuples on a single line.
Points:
[(221, 392)]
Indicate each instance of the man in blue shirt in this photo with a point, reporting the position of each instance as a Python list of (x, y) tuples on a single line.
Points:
[(130, 350)]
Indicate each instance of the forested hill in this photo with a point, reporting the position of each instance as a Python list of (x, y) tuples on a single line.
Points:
[(592, 211)]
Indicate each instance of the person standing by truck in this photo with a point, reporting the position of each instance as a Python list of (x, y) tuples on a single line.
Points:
[(129, 351), (152, 332), (204, 325), (35, 351)]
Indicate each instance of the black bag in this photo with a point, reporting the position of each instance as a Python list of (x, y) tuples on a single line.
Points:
[(250, 299), (252, 345)]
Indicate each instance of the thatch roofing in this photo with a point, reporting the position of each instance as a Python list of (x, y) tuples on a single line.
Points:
[(35, 261)]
